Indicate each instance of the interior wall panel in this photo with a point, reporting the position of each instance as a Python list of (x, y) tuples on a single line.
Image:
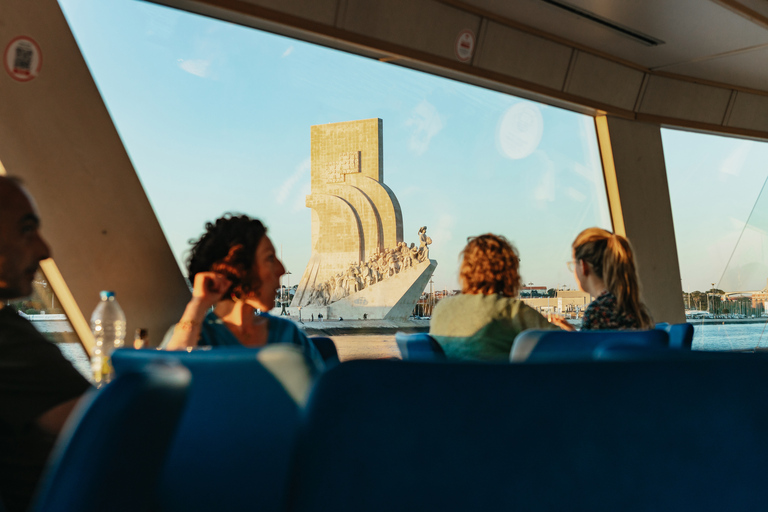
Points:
[(749, 111), (685, 100), (56, 134), (424, 25), (605, 81), (524, 56), (321, 11)]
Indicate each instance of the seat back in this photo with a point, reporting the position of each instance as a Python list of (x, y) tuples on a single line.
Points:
[(111, 452), (680, 335), (543, 345), (634, 436), (419, 347), (327, 349), (232, 451)]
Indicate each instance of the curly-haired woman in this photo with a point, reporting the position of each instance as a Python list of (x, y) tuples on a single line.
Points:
[(481, 323), (235, 271)]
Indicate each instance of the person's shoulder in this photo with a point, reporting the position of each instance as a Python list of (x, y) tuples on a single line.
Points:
[(278, 320), (284, 326), (605, 299), (453, 305), (452, 299), (17, 330), (446, 314), (530, 317)]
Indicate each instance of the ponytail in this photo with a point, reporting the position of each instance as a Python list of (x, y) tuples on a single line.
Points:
[(611, 258)]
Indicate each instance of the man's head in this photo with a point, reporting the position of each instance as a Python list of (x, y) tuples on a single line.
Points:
[(21, 245)]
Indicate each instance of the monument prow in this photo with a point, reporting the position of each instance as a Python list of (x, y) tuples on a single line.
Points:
[(392, 299), (360, 267)]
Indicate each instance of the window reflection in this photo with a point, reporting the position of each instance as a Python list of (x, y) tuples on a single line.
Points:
[(43, 310)]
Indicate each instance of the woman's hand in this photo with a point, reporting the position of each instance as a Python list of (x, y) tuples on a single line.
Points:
[(209, 288), (561, 323)]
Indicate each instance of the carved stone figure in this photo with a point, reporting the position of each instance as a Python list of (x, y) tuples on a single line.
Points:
[(367, 275), (414, 251), (405, 256), (424, 242)]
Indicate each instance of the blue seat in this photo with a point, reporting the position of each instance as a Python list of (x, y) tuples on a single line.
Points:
[(233, 448), (631, 436), (680, 335), (111, 452), (547, 345), (327, 349), (419, 347), (618, 349)]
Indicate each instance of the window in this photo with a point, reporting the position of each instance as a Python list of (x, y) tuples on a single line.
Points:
[(216, 117), (720, 212)]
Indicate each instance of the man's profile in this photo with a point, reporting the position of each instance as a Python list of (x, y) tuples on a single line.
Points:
[(38, 386)]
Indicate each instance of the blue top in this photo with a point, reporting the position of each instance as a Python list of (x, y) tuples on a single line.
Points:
[(214, 333)]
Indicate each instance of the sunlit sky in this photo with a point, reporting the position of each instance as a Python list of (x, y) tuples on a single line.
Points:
[(217, 118)]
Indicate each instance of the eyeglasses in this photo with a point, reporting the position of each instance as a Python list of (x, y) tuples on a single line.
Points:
[(571, 265)]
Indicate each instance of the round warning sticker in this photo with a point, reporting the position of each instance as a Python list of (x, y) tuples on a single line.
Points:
[(465, 45), (23, 59)]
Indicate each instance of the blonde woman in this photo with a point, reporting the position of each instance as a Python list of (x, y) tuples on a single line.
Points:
[(605, 268), (482, 322)]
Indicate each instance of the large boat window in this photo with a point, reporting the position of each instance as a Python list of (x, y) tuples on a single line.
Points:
[(217, 117), (720, 211)]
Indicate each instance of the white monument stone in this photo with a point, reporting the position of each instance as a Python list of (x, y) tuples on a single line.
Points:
[(360, 266)]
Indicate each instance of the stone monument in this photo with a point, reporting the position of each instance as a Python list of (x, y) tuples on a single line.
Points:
[(360, 266)]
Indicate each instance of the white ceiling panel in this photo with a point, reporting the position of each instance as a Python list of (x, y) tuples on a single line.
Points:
[(747, 69), (690, 29), (759, 6)]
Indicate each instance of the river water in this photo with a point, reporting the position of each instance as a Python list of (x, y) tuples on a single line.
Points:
[(736, 336)]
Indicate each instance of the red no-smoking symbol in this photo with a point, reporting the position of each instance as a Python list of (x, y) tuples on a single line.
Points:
[(465, 45)]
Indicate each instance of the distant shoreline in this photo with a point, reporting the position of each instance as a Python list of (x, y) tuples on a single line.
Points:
[(711, 321), (361, 327)]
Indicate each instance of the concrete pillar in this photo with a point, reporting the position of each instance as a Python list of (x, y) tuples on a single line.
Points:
[(638, 195), (57, 135)]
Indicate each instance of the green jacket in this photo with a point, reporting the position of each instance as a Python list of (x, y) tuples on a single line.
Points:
[(482, 327)]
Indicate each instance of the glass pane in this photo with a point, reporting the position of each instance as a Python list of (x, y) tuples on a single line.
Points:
[(43, 310), (720, 212), (217, 117)]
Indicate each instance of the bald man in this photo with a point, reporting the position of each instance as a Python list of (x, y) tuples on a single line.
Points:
[(38, 386)]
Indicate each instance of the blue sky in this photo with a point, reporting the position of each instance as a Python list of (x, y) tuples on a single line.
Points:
[(217, 118), (719, 208)]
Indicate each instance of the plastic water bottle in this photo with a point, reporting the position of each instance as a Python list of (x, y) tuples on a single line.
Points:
[(108, 327)]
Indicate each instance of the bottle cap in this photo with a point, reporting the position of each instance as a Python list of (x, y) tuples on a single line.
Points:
[(106, 294)]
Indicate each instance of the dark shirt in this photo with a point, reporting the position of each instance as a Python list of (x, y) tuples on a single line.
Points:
[(603, 313), (34, 377)]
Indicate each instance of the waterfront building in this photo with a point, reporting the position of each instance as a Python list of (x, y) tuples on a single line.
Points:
[(760, 299), (564, 302)]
